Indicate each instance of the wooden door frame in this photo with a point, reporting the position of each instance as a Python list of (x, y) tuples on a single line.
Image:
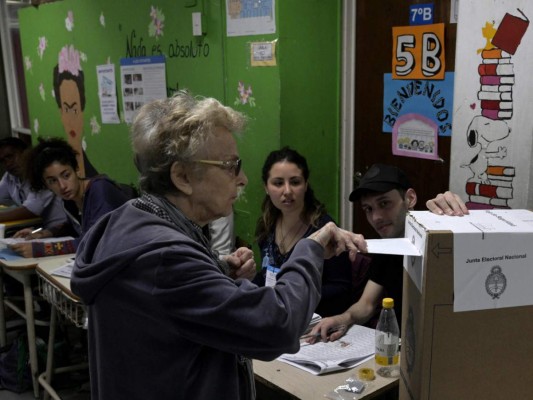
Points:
[(347, 112)]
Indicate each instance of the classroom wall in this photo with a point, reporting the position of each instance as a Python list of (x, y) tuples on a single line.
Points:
[(294, 102), (310, 61)]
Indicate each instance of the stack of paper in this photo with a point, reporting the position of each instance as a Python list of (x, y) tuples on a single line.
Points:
[(352, 349)]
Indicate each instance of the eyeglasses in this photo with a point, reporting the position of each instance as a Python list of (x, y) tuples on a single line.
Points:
[(234, 165)]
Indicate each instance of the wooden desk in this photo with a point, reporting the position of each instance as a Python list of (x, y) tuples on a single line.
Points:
[(13, 226), (22, 223), (56, 290), (22, 270), (279, 381)]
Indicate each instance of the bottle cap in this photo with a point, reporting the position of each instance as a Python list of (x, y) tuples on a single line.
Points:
[(388, 302), (366, 374)]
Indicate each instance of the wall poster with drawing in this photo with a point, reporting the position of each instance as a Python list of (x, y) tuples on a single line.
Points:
[(492, 124)]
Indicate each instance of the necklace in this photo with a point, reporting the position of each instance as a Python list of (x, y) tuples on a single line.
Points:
[(285, 246)]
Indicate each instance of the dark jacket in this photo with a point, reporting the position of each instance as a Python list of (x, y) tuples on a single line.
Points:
[(166, 323)]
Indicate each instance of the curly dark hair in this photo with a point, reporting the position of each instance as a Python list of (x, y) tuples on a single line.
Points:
[(313, 209), (45, 154)]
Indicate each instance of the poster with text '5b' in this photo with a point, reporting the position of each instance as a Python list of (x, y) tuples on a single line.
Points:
[(418, 52)]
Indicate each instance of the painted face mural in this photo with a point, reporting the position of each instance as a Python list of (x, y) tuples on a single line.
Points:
[(71, 112), (69, 89)]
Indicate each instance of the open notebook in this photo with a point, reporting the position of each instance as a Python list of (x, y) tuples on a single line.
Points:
[(352, 349)]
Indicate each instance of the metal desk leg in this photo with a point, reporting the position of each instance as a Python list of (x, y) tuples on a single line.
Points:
[(30, 327), (46, 380), (3, 334)]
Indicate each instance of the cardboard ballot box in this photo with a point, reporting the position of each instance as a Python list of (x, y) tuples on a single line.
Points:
[(467, 326)]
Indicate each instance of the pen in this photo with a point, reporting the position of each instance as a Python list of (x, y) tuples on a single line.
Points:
[(36, 230), (318, 334)]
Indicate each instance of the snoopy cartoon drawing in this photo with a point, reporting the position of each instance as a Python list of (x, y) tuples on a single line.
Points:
[(483, 135)]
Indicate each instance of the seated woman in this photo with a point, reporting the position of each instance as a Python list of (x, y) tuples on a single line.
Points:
[(291, 212), (52, 165)]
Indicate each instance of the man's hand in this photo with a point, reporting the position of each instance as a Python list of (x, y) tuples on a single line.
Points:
[(328, 329), (336, 241), (241, 263), (447, 203)]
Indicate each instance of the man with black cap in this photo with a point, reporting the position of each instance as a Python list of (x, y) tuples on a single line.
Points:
[(386, 195)]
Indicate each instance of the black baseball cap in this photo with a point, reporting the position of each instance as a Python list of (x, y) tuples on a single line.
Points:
[(380, 178)]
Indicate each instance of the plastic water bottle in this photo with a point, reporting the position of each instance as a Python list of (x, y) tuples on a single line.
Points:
[(388, 341)]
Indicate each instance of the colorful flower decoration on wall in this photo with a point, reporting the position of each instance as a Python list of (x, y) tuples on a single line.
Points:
[(157, 24), (102, 19), (69, 21), (28, 64), (95, 126), (36, 126), (69, 60), (41, 91), (245, 95), (43, 44)]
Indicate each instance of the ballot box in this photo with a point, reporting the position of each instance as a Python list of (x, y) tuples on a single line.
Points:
[(467, 306)]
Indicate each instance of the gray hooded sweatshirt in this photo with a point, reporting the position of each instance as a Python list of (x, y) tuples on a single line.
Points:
[(166, 323)]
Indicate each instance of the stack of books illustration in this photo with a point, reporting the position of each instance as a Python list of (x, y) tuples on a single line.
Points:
[(497, 78), (496, 193)]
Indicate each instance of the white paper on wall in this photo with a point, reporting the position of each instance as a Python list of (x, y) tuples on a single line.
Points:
[(493, 124)]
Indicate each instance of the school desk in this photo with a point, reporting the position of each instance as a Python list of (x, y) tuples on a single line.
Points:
[(56, 290), (281, 381)]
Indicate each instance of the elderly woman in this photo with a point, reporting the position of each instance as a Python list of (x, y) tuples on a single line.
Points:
[(165, 319)]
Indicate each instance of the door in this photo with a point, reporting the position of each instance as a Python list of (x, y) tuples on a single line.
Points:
[(374, 22)]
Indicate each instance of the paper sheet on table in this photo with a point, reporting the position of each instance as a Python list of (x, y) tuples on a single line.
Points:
[(9, 241), (65, 270), (402, 246)]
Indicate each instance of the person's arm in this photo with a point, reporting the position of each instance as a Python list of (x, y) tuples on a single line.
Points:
[(359, 313), (17, 213), (448, 203)]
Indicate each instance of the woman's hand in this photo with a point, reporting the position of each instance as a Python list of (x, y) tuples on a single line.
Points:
[(28, 235), (24, 249), (335, 241), (23, 233)]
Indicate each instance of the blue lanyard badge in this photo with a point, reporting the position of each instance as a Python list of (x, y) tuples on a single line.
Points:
[(271, 271)]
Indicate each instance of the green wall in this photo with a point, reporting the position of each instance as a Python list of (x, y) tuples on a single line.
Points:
[(296, 101), (310, 65)]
